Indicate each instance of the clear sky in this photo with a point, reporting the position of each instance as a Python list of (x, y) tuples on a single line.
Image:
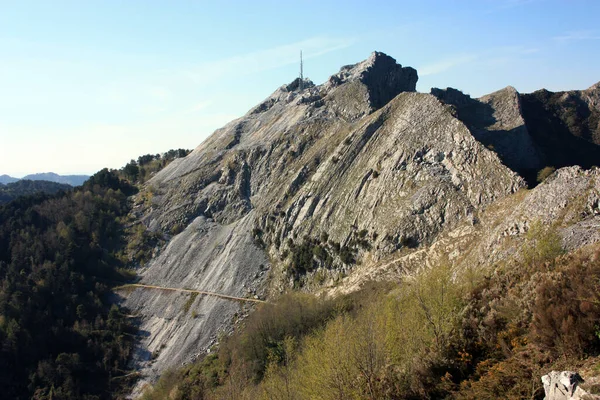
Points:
[(92, 84)]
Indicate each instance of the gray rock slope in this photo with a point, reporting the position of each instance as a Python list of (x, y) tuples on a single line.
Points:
[(176, 327), (567, 385), (567, 202), (361, 165)]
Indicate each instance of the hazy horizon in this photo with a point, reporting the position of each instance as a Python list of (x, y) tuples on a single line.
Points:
[(88, 86)]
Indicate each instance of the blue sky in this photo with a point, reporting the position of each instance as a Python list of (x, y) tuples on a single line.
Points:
[(92, 84)]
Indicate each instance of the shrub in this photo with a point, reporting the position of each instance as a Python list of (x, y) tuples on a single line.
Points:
[(542, 244), (346, 255), (302, 258), (324, 237), (320, 277), (567, 309), (545, 173), (188, 303), (515, 378), (164, 388), (177, 229), (388, 347), (318, 252), (292, 315)]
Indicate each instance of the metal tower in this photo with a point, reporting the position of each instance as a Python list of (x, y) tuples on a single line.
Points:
[(301, 72)]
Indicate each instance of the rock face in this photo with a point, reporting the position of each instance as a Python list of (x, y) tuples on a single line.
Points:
[(568, 201), (565, 125), (565, 385), (358, 169), (496, 120), (259, 180), (177, 327)]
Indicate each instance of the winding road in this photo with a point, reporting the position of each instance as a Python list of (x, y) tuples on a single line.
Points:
[(203, 292)]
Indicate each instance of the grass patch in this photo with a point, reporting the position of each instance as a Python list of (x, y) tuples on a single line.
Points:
[(189, 302)]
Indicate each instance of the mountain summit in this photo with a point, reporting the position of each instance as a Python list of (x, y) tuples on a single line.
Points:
[(383, 78)]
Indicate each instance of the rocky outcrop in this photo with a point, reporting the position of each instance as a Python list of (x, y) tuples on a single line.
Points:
[(565, 385), (531, 131), (496, 120), (565, 125), (175, 327), (301, 156)]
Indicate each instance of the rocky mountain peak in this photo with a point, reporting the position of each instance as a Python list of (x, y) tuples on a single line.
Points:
[(285, 93), (592, 95), (355, 91), (295, 84), (383, 77)]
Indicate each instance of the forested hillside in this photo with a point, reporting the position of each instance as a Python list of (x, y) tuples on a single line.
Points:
[(60, 337), (61, 253)]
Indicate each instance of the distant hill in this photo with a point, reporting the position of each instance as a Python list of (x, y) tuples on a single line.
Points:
[(73, 180), (24, 187), (4, 179)]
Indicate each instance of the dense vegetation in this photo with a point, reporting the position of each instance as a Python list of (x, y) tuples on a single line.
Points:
[(443, 334), (147, 165), (60, 338), (24, 187)]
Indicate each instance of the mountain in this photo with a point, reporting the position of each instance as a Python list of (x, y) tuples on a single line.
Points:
[(4, 179), (73, 180), (354, 239), (25, 187), (322, 188)]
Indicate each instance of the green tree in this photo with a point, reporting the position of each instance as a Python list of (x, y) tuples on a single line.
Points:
[(131, 171)]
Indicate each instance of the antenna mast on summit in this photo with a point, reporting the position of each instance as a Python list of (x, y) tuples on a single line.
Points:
[(301, 72)]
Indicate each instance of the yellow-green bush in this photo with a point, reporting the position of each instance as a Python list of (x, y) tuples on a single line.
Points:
[(543, 244), (375, 351)]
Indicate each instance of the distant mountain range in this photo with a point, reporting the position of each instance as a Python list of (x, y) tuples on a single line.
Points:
[(72, 180), (4, 179)]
